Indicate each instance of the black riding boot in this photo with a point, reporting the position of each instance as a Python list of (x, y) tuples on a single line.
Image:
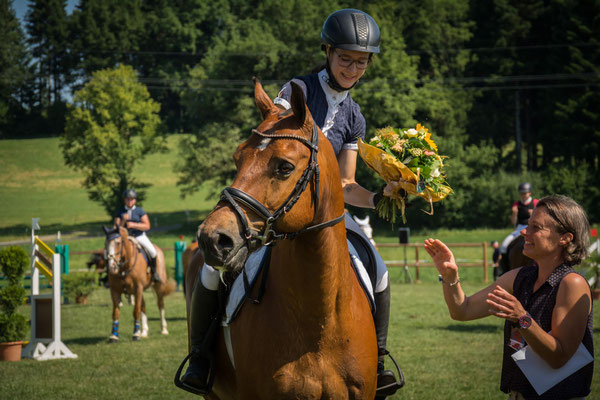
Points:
[(155, 275), (204, 306), (387, 384)]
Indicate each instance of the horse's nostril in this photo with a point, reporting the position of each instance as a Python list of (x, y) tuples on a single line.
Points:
[(224, 242)]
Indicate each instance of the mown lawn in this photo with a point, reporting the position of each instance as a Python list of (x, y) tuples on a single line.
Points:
[(441, 358)]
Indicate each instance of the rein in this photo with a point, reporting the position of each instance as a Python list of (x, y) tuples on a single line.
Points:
[(270, 234), (121, 261)]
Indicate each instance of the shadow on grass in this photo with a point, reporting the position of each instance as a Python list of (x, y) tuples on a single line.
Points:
[(472, 328), (177, 221), (168, 319), (86, 341)]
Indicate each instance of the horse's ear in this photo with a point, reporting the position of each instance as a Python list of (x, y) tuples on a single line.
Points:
[(298, 103), (263, 101)]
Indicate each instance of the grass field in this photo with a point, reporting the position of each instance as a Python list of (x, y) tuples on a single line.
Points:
[(441, 358)]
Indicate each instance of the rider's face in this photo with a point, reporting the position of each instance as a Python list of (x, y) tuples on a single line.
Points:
[(130, 201), (347, 66)]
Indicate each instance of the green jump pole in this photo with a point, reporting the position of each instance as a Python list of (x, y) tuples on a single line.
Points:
[(179, 249)]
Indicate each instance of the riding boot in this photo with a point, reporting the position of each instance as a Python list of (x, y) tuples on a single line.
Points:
[(387, 384), (155, 275), (204, 306)]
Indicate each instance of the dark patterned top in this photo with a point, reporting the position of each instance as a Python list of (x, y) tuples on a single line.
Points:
[(541, 305), (348, 124)]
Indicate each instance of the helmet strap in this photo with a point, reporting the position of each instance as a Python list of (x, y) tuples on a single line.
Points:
[(333, 83)]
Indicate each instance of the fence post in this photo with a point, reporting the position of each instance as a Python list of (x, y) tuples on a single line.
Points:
[(485, 272), (179, 249)]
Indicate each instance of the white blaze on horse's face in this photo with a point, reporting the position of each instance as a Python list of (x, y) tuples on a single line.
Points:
[(263, 144), (112, 262)]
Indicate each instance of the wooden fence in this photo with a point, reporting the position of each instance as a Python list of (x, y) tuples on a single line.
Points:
[(418, 263)]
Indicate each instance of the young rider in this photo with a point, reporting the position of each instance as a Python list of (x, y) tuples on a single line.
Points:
[(520, 212), (137, 223), (349, 39)]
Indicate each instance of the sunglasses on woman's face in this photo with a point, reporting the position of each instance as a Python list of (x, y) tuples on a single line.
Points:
[(347, 61)]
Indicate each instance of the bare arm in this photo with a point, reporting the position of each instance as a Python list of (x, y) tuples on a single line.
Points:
[(143, 225), (569, 320), (461, 307), (513, 215), (354, 194)]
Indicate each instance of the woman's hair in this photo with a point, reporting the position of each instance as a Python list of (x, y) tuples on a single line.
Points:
[(569, 217)]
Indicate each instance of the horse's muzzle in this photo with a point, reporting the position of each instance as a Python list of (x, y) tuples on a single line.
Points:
[(221, 247)]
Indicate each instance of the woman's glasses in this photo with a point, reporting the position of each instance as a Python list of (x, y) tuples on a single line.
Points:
[(346, 61)]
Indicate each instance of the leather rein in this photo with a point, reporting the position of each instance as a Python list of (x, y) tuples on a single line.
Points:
[(270, 234), (121, 261)]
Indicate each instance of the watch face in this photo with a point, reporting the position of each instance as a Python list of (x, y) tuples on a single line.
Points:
[(525, 322)]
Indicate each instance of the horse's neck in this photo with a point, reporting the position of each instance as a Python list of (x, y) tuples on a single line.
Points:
[(313, 271)]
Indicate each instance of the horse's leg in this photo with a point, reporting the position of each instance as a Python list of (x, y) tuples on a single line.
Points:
[(161, 309), (116, 300), (144, 318), (137, 312)]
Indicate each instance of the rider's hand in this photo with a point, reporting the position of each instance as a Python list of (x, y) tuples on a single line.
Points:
[(388, 190), (443, 259)]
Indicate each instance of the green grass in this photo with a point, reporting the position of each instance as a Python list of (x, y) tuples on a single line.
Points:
[(441, 358), (34, 182)]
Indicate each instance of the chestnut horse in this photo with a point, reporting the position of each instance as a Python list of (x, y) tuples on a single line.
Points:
[(312, 335), (128, 273)]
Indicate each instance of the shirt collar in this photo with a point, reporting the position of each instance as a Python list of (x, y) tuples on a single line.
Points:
[(332, 96), (130, 209)]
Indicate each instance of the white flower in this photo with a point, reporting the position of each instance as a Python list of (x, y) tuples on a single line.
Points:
[(435, 173), (411, 133)]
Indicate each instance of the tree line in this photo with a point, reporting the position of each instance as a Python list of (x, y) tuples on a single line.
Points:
[(509, 88)]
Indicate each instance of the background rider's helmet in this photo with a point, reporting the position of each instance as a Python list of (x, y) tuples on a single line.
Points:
[(130, 193), (524, 187), (351, 29)]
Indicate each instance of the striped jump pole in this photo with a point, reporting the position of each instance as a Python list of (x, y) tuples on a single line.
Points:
[(45, 344)]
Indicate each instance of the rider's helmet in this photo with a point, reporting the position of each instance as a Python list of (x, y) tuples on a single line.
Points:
[(351, 29), (524, 187), (130, 193)]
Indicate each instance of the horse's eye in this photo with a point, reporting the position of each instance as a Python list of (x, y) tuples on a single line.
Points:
[(285, 168)]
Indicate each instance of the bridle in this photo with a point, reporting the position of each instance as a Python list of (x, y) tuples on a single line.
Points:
[(120, 262), (270, 234)]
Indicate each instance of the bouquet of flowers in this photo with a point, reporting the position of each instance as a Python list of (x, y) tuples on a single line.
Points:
[(409, 162)]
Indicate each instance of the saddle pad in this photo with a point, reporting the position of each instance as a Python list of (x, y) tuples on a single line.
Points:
[(254, 265)]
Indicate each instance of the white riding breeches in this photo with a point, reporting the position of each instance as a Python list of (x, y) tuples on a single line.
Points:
[(144, 241), (512, 236)]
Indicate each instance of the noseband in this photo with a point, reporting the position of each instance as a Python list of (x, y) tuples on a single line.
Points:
[(269, 233)]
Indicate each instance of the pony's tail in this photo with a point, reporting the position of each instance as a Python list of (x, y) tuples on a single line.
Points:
[(169, 287)]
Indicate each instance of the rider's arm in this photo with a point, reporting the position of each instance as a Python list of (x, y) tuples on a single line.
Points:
[(354, 194), (143, 225), (513, 216)]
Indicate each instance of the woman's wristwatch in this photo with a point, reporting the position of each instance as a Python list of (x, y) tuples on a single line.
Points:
[(525, 321)]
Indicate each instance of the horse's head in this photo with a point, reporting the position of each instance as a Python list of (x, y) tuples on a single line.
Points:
[(114, 247), (287, 183)]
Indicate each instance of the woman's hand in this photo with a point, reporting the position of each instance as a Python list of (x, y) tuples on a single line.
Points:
[(505, 305), (443, 259)]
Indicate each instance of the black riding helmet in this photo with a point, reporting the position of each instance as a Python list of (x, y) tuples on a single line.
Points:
[(524, 187), (349, 29), (130, 193)]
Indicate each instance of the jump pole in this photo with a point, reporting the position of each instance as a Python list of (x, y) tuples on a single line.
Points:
[(45, 348)]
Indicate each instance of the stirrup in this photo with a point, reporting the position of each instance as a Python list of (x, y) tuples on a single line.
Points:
[(391, 388), (200, 391)]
